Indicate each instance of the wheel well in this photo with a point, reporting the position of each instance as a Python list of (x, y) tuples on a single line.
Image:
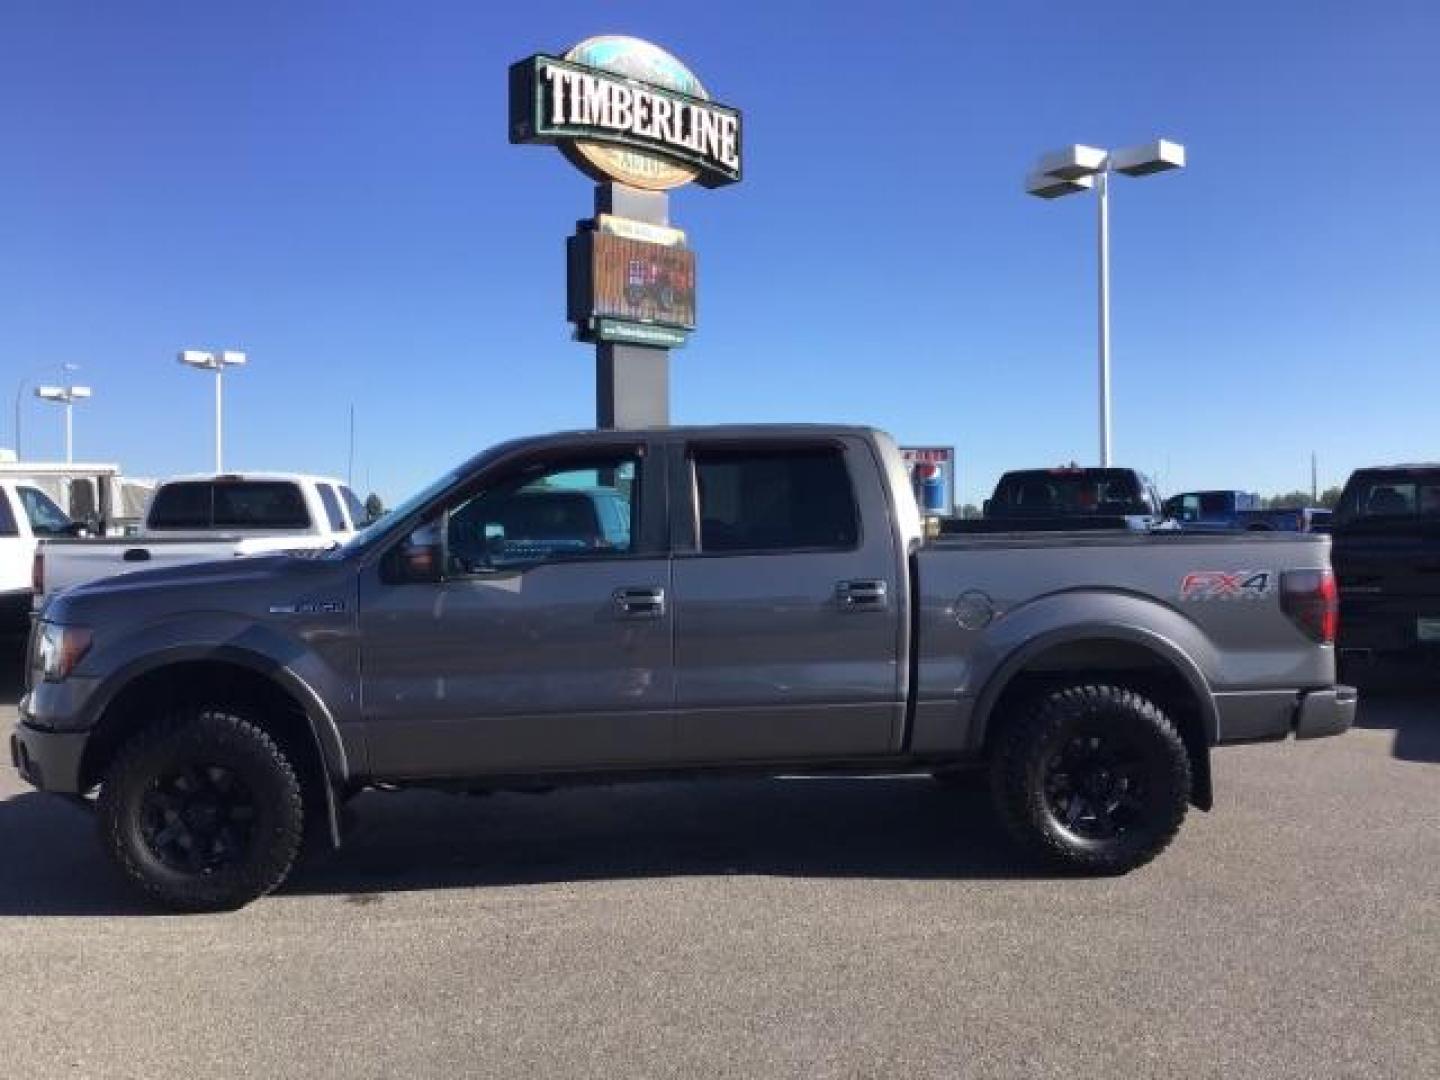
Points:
[(158, 693), (1117, 663)]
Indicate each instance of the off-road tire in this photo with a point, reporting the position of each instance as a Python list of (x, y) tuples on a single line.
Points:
[(1044, 765), (195, 746)]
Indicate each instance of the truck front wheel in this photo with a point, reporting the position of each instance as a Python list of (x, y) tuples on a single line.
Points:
[(203, 811), (1094, 777)]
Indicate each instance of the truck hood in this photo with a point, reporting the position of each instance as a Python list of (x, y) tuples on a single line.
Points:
[(242, 585)]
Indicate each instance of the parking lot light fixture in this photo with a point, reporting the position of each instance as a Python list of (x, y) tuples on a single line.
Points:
[(67, 396), (216, 362), (1080, 168)]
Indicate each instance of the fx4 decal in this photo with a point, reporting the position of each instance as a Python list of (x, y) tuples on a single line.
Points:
[(1226, 584)]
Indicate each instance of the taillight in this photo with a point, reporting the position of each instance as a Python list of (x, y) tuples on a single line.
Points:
[(37, 573), (1312, 601)]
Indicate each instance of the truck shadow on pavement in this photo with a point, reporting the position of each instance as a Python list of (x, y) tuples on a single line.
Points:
[(893, 827), (1413, 716)]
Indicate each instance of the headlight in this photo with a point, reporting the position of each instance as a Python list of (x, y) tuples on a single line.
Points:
[(59, 649)]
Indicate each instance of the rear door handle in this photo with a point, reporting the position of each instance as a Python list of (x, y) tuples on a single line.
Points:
[(640, 602), (868, 594)]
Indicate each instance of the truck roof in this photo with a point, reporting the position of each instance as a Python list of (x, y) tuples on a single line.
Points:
[(303, 478), (689, 431), (1418, 466), (712, 430)]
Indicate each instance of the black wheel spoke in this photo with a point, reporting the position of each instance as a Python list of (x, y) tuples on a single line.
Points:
[(198, 819), (1092, 785)]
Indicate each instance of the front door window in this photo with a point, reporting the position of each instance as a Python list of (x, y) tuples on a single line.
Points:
[(547, 514)]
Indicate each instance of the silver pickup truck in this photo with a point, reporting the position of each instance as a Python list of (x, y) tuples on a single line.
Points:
[(623, 605)]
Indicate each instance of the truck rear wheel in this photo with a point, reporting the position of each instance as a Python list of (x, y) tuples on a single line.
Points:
[(1095, 778), (202, 812)]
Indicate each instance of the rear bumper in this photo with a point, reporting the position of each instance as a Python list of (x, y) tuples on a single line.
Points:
[(48, 760), (1258, 715), (1326, 712)]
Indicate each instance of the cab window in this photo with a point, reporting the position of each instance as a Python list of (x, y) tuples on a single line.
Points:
[(548, 513), (775, 500)]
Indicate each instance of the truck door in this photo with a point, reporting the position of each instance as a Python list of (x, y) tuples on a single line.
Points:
[(547, 642), (788, 602)]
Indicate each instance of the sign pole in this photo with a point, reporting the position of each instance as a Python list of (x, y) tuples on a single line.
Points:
[(632, 382)]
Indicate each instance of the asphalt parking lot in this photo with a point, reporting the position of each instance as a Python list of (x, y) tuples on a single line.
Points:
[(875, 927)]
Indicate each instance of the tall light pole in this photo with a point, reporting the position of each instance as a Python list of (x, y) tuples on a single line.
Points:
[(19, 396), (1080, 168), (216, 362), (67, 395)]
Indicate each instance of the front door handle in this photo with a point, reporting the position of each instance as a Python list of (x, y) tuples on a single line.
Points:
[(869, 594), (640, 602)]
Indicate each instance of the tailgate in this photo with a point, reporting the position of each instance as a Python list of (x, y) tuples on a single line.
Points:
[(67, 564), (1389, 589)]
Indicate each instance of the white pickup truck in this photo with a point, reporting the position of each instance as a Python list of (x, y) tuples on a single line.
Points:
[(193, 519), (27, 515)]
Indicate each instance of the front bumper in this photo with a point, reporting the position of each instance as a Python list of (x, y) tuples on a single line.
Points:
[(48, 760)]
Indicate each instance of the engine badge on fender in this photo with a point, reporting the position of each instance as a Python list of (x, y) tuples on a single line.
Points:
[(1226, 584)]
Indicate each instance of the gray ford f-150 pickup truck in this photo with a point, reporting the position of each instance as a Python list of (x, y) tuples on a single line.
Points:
[(619, 605)]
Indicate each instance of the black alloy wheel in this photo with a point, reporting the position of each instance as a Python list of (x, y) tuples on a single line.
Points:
[(1095, 778), (1095, 786), (202, 811), (198, 820)]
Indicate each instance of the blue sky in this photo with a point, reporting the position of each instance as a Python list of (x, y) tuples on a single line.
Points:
[(328, 186)]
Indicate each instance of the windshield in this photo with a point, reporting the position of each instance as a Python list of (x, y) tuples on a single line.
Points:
[(46, 519), (381, 526)]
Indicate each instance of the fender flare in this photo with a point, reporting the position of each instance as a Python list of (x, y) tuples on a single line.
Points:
[(319, 722), (1161, 646)]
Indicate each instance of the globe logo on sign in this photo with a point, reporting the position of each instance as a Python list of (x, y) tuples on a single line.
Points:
[(647, 63)]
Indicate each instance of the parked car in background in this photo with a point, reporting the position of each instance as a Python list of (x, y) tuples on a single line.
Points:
[(1387, 563), (27, 515), (763, 601), (1226, 509), (201, 518), (1067, 498), (96, 496)]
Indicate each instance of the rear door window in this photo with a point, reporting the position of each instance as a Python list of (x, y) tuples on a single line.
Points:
[(775, 500)]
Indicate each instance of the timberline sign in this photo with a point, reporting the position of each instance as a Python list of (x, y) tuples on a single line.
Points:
[(623, 109)]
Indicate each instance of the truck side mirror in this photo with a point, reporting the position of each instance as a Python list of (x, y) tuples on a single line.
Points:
[(420, 556)]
